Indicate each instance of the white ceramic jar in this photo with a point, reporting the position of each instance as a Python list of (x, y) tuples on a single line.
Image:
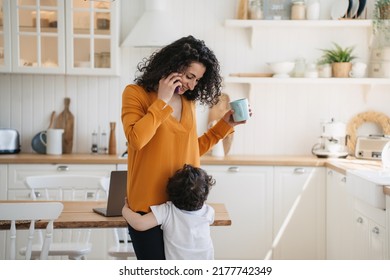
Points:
[(313, 10)]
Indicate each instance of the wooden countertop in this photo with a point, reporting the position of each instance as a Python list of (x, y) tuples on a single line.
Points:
[(24, 158), (340, 165), (33, 158), (79, 214)]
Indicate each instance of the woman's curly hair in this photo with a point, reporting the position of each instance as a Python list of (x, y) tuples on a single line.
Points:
[(177, 57), (189, 187)]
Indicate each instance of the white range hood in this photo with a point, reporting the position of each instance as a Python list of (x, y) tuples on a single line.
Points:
[(155, 28)]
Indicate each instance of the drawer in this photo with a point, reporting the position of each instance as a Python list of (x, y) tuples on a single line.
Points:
[(18, 172), (63, 194)]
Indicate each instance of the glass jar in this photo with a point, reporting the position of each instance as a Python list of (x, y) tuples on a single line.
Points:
[(300, 67), (255, 9), (298, 10)]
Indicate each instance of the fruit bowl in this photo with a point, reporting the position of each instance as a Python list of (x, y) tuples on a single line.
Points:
[(281, 69)]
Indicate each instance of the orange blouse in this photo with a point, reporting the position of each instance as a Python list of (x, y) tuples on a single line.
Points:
[(158, 144)]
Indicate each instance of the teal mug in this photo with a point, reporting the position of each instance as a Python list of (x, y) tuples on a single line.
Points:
[(241, 109)]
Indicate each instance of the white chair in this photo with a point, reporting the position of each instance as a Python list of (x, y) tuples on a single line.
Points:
[(122, 249), (73, 243), (30, 213)]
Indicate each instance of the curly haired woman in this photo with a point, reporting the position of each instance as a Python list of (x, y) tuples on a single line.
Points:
[(159, 121)]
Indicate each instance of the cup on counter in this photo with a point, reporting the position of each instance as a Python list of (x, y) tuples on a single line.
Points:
[(53, 141), (358, 70), (325, 71), (241, 109)]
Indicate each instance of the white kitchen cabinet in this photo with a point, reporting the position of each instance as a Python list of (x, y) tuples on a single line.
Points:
[(387, 244), (246, 192), (3, 181), (339, 217), (92, 37), (369, 235), (3, 195), (100, 238), (299, 213), (38, 36), (65, 37), (5, 36)]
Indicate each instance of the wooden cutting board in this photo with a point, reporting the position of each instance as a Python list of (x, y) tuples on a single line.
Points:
[(65, 120), (216, 113)]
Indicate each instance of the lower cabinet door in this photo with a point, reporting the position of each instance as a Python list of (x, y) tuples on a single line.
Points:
[(299, 213), (246, 192)]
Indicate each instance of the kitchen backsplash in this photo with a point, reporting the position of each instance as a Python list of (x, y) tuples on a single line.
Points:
[(286, 118)]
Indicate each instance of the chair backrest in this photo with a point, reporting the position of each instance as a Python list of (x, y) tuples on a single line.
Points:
[(30, 213), (67, 188)]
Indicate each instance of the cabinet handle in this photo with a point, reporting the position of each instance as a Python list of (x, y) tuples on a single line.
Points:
[(375, 230), (299, 170), (234, 169), (90, 195), (359, 220), (36, 194), (344, 179), (330, 172), (62, 168)]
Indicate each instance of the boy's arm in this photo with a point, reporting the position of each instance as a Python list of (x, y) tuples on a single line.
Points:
[(137, 221)]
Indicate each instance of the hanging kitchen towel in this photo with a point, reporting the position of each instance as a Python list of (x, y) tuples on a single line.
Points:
[(65, 120)]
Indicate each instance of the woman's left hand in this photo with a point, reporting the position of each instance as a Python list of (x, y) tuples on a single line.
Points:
[(228, 117)]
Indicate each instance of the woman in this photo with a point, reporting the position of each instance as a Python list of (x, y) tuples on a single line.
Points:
[(159, 121)]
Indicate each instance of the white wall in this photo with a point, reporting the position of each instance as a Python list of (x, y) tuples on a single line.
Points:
[(286, 118)]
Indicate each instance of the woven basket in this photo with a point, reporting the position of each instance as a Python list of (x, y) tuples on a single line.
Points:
[(341, 69)]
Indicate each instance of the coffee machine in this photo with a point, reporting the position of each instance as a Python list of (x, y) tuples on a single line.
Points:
[(332, 142)]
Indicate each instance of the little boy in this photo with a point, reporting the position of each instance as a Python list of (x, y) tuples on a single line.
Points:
[(185, 219)]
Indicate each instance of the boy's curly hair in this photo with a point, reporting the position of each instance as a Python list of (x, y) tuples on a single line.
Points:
[(189, 187), (177, 57)]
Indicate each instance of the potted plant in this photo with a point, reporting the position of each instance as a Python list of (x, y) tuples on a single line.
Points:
[(382, 9), (340, 59), (381, 21)]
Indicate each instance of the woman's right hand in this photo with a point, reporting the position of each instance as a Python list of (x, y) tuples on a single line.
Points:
[(167, 86)]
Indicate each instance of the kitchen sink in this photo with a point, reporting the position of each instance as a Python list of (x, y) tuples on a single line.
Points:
[(367, 185)]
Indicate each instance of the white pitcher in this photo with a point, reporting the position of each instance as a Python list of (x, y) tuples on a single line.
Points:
[(54, 141)]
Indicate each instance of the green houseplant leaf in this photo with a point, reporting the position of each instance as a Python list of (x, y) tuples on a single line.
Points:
[(337, 54)]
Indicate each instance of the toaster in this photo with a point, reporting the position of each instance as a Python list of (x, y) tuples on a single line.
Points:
[(370, 147), (9, 141)]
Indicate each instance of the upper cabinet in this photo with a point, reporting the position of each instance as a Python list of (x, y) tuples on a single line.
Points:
[(63, 37), (92, 29), (38, 36), (5, 40)]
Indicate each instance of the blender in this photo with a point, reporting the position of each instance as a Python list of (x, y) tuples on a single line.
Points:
[(332, 142)]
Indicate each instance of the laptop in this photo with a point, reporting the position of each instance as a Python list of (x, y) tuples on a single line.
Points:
[(116, 195)]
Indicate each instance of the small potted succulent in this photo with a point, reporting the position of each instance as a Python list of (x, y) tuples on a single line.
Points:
[(340, 58)]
